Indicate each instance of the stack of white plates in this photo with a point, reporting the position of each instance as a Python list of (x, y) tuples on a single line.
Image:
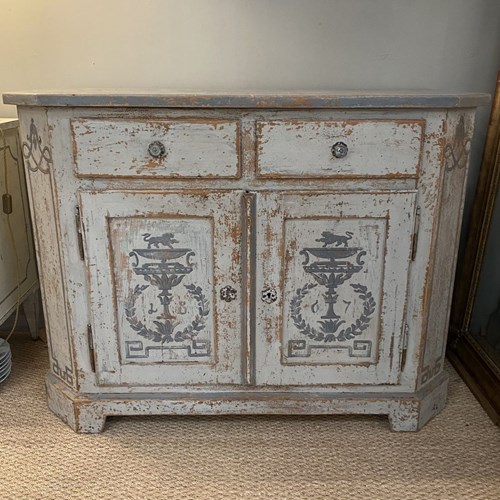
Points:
[(5, 360)]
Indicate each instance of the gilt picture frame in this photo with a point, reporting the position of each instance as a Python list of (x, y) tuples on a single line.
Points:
[(469, 357)]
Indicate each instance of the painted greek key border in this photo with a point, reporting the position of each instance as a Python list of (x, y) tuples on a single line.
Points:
[(300, 348), (197, 349)]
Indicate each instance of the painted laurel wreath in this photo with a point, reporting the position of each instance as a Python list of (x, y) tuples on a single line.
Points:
[(165, 332), (355, 329)]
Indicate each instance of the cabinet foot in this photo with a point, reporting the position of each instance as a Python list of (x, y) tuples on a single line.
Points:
[(81, 415), (89, 420), (413, 413)]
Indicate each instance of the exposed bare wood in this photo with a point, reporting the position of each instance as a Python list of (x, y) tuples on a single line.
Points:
[(253, 260), (373, 148)]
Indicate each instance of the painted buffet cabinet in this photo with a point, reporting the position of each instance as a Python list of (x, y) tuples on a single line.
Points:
[(218, 254)]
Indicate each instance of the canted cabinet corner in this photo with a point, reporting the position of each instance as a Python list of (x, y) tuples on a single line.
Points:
[(272, 255)]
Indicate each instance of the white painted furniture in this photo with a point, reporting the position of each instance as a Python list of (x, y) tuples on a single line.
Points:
[(223, 254), (14, 286)]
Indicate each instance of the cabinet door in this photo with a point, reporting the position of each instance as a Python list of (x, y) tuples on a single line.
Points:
[(332, 272), (165, 286), (11, 170)]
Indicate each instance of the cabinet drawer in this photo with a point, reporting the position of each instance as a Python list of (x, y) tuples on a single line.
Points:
[(155, 148), (372, 148)]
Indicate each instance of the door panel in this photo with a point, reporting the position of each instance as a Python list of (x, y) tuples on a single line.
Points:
[(158, 263), (339, 265)]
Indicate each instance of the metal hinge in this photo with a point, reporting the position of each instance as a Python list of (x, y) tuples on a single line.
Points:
[(90, 337), (414, 241), (406, 330), (78, 221)]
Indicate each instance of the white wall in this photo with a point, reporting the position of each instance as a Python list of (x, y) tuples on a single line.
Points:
[(249, 44), (445, 45)]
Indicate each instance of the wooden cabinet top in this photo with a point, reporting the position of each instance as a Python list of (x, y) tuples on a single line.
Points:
[(287, 100)]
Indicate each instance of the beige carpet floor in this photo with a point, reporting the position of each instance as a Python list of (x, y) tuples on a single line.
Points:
[(457, 456)]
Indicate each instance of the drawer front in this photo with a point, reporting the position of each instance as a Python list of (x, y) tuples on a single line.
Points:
[(372, 148), (158, 148)]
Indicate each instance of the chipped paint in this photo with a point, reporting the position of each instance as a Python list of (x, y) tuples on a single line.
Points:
[(119, 148), (376, 148), (259, 224)]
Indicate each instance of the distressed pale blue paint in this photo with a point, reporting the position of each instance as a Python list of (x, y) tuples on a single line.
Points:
[(334, 100)]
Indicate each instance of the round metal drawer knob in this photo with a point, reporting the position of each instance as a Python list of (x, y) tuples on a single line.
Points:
[(156, 149), (228, 293), (269, 295), (340, 150)]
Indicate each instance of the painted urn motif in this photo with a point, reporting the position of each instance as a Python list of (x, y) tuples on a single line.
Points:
[(332, 264), (164, 266)]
